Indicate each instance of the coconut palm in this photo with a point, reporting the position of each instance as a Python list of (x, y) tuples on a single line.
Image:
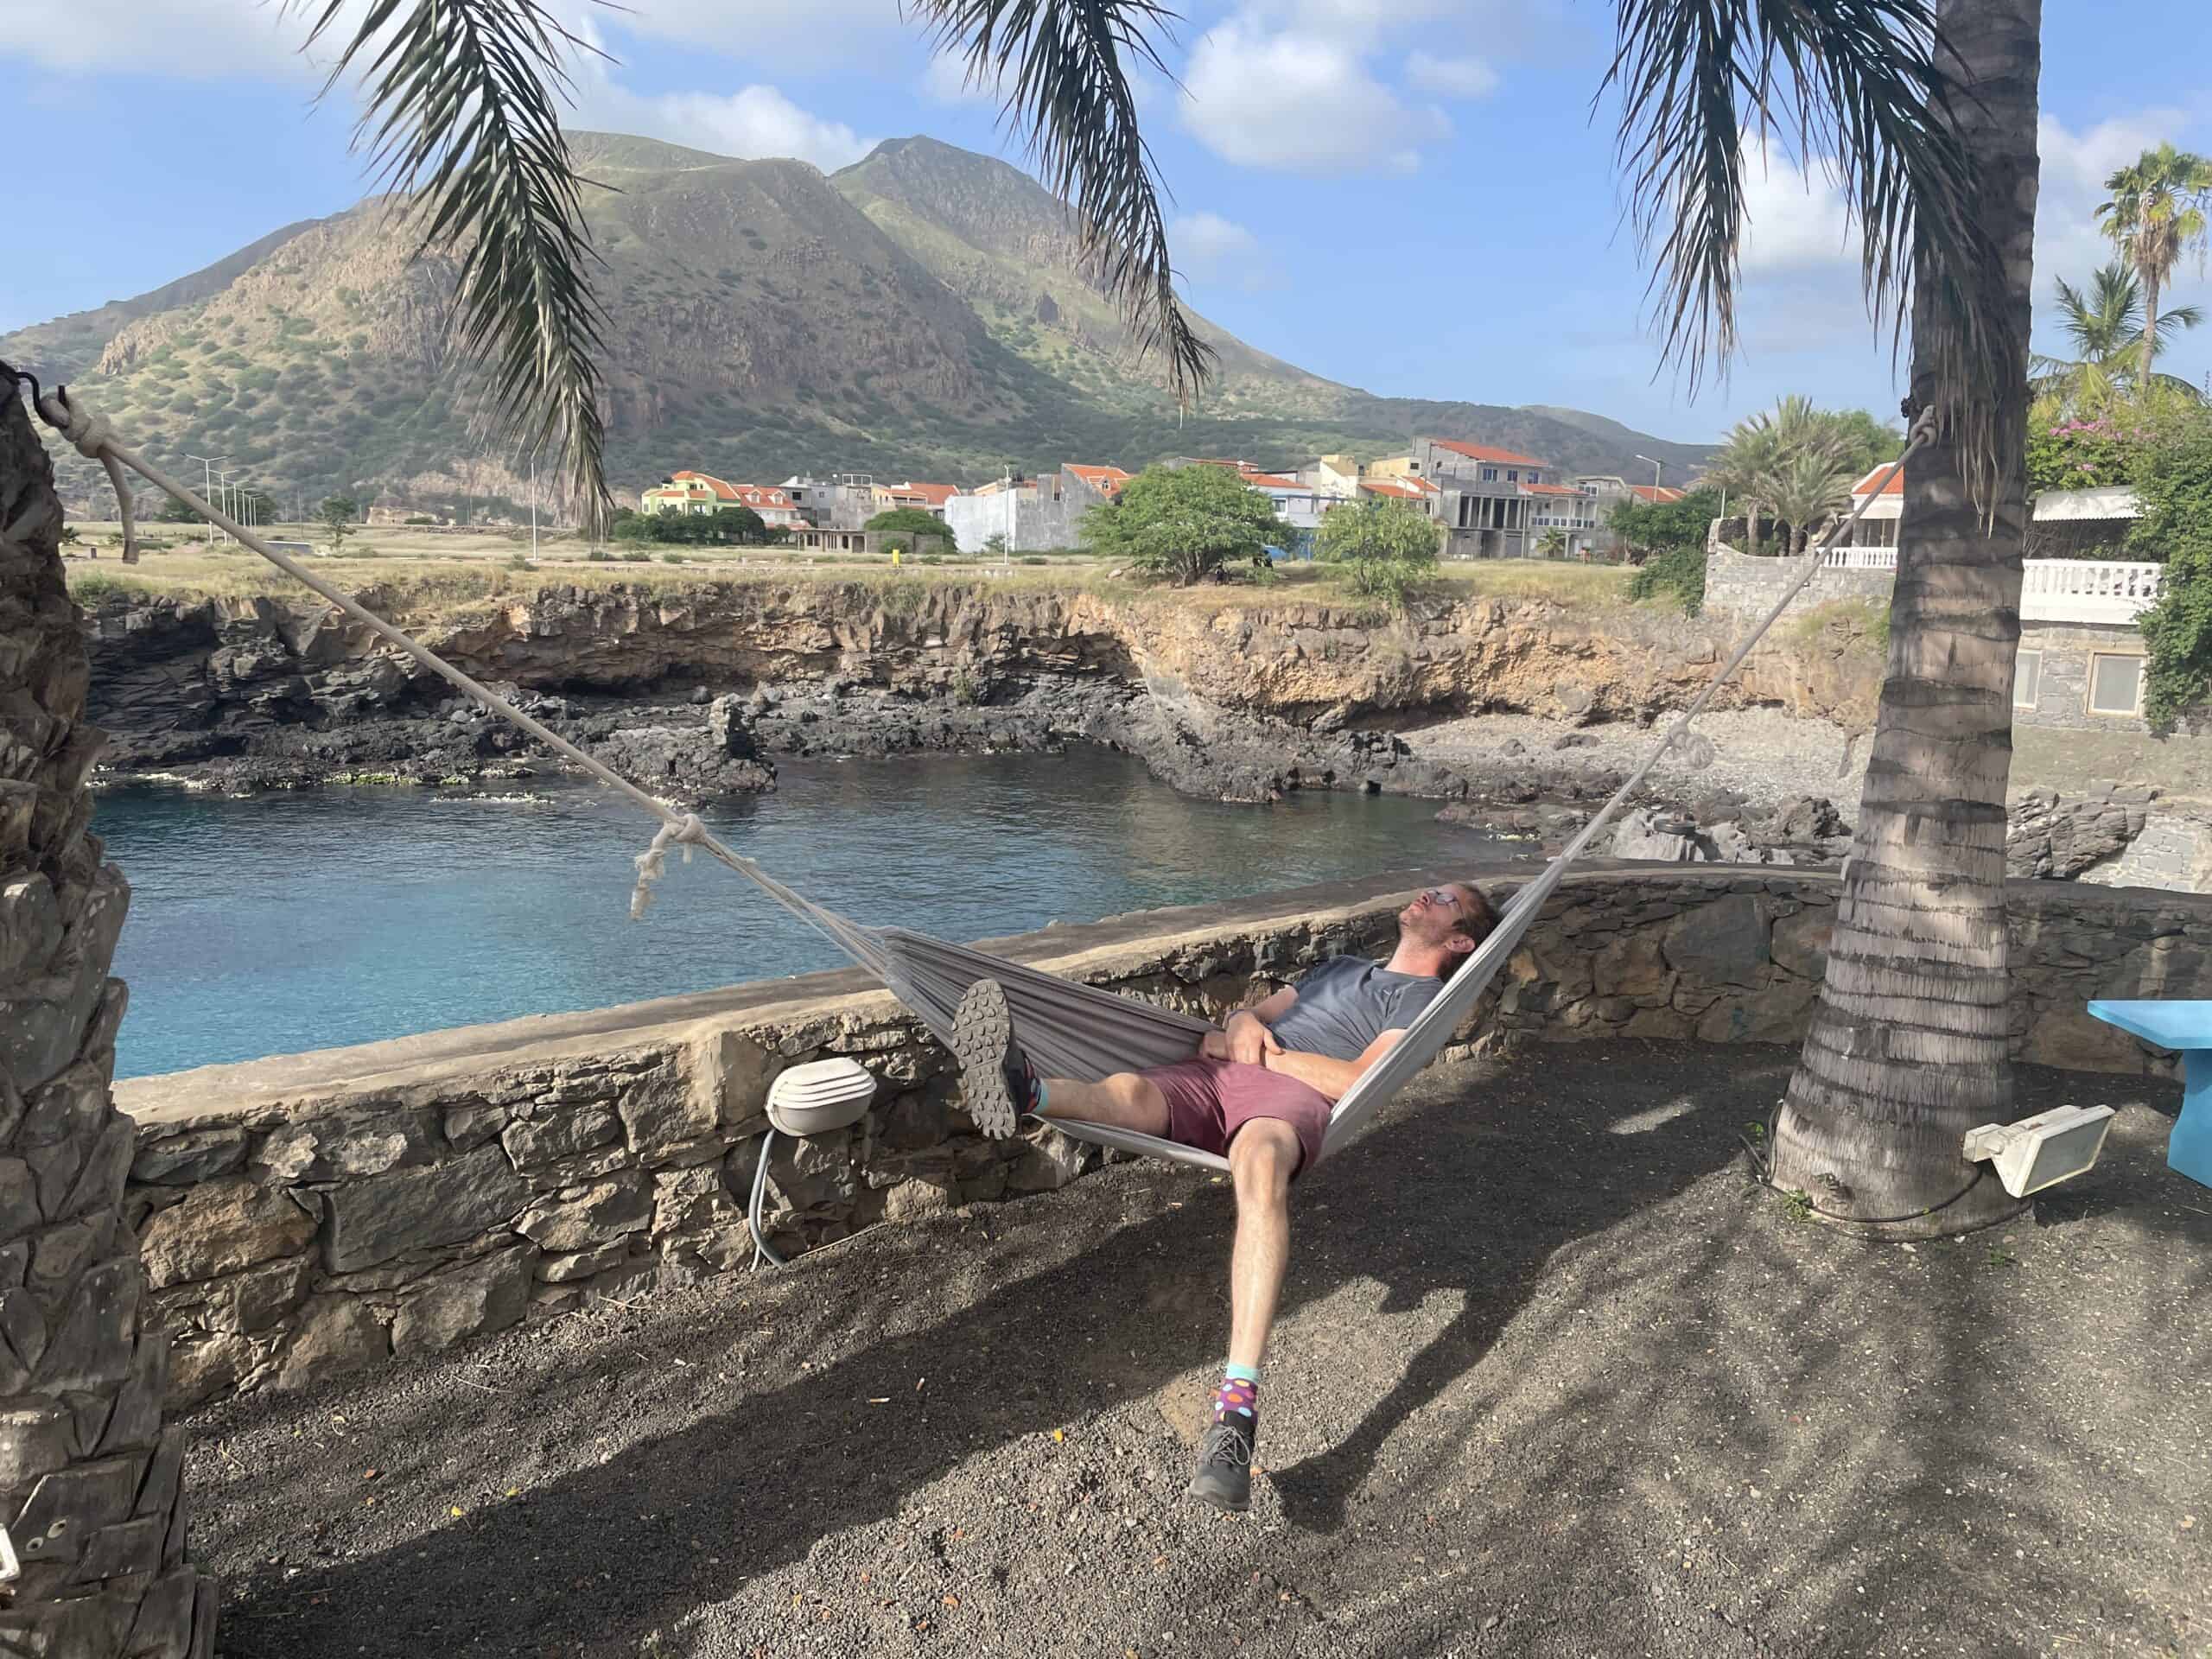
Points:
[(2106, 328), (1804, 490), (1552, 544), (2157, 213), (1792, 442)]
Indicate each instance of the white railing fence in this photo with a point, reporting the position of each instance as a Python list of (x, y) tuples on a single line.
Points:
[(1862, 559), (2087, 590)]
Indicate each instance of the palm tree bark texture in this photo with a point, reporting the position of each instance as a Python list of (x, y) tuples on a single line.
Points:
[(91, 1485), (1909, 1044)]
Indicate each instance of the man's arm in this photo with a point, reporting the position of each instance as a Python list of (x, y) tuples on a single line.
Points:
[(1331, 1078), (1245, 1038)]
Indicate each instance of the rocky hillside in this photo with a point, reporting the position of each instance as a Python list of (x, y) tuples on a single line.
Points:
[(925, 311)]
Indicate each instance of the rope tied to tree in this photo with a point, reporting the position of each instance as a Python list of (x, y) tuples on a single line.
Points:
[(94, 439)]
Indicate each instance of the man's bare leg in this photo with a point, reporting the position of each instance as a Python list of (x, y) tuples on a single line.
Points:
[(1262, 1159), (1125, 1100)]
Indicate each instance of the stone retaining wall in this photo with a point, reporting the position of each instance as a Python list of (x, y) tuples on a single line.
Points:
[(1738, 584), (308, 1214)]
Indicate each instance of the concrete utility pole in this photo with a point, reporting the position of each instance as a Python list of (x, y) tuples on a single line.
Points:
[(1654, 470), (207, 483)]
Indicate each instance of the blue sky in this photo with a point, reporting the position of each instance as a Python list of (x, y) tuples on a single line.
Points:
[(1409, 195)]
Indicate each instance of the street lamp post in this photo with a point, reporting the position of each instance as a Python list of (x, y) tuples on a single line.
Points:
[(1654, 471), (207, 464)]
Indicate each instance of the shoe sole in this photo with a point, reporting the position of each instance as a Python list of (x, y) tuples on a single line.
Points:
[(1217, 1500), (983, 1037)]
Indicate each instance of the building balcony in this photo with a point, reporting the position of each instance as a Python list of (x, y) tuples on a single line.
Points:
[(2088, 590)]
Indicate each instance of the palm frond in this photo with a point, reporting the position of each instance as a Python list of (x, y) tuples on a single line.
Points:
[(2182, 317), (461, 111), (1866, 85), (1064, 66)]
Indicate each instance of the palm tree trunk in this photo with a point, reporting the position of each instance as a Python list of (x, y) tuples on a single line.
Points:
[(1751, 528), (1908, 1048), (2149, 326), (89, 1481)]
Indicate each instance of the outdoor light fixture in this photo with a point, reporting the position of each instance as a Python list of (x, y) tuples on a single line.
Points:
[(817, 1099), (2043, 1150)]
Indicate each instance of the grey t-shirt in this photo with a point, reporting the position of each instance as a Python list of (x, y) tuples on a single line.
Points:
[(1347, 1002)]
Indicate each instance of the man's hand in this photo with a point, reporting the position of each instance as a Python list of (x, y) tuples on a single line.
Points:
[(1214, 1046), (1249, 1040)]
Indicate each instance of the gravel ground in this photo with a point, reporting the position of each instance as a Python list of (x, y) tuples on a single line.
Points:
[(1552, 1380), (1768, 756), (1771, 757)]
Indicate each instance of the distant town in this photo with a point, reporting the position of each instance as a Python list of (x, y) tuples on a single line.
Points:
[(1491, 503)]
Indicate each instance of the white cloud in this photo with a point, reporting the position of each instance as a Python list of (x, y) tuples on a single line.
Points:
[(1212, 248), (946, 81), (1298, 101), (1794, 217), (194, 39), (758, 32), (2075, 168), (1465, 76), (751, 122)]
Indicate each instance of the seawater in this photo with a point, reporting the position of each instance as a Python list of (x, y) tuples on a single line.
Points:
[(299, 921)]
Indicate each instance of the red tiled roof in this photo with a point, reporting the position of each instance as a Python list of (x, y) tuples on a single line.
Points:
[(1895, 486), (726, 492), (1549, 489), (1484, 452), (934, 494), (761, 497), (1395, 488), (1108, 478), (1657, 494), (1270, 481)]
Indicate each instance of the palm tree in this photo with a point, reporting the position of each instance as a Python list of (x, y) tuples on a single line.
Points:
[(2106, 330), (1783, 450), (2157, 214), (1553, 543), (83, 1359), (1804, 489)]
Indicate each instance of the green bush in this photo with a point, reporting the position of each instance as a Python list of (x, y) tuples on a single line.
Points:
[(2174, 479), (1676, 573), (597, 556), (637, 558), (1388, 549), (1034, 558), (1181, 522), (92, 589), (671, 558)]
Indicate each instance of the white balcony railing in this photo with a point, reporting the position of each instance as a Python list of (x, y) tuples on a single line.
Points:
[(2087, 590), (1862, 559)]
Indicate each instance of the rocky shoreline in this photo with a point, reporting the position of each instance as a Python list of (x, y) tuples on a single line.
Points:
[(1517, 718)]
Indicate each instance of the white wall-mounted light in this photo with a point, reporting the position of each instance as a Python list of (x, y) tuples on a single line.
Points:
[(2043, 1150)]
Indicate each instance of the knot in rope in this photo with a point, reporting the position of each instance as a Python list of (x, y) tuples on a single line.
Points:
[(687, 833), (84, 426)]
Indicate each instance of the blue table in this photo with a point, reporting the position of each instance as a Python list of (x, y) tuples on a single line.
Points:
[(2186, 1028)]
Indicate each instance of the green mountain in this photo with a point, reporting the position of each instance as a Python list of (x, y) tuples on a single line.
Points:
[(927, 312)]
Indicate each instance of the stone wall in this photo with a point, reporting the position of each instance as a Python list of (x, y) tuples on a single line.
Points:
[(308, 1214), (2062, 680), (1737, 584)]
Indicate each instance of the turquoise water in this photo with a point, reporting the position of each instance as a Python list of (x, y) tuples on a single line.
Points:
[(312, 920)]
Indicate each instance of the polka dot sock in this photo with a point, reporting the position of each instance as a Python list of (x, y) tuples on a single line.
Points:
[(1239, 1392)]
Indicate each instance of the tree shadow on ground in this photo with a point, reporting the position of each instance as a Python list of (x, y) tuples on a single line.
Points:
[(1470, 1186), (1713, 1430)]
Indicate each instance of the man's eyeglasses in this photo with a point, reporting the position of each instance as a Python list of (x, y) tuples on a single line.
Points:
[(1442, 896)]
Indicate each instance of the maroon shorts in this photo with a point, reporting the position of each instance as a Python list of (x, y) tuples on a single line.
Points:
[(1207, 1101)]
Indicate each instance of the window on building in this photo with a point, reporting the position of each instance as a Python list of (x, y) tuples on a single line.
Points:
[(1511, 476), (1489, 474), (1536, 477), (2115, 684), (2027, 679)]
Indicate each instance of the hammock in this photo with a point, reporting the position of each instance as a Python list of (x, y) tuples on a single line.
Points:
[(1070, 1029)]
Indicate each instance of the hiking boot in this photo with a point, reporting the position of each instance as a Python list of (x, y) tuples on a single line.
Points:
[(995, 1074), (1224, 1476)]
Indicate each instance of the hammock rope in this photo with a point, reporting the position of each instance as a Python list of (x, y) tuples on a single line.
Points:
[(1071, 1029)]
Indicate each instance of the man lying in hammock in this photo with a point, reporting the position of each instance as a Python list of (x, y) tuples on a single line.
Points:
[(1259, 1092)]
